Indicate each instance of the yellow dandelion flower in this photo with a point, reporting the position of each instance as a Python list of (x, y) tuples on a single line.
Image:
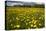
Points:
[(26, 23), (17, 26), (29, 22), (11, 24), (39, 24), (34, 26), (17, 18), (35, 22), (39, 17), (31, 25)]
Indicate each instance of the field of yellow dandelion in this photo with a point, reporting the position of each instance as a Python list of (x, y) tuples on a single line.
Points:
[(24, 18)]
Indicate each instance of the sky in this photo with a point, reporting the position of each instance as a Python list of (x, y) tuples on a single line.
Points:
[(11, 3)]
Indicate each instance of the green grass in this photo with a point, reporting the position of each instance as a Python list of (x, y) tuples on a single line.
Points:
[(24, 18)]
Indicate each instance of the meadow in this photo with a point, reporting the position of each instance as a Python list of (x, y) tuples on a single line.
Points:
[(24, 18)]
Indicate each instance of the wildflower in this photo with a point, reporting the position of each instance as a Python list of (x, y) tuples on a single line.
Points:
[(31, 25), (34, 26), (17, 26), (17, 18)]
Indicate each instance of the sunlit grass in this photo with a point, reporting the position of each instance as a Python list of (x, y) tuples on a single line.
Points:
[(24, 17)]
